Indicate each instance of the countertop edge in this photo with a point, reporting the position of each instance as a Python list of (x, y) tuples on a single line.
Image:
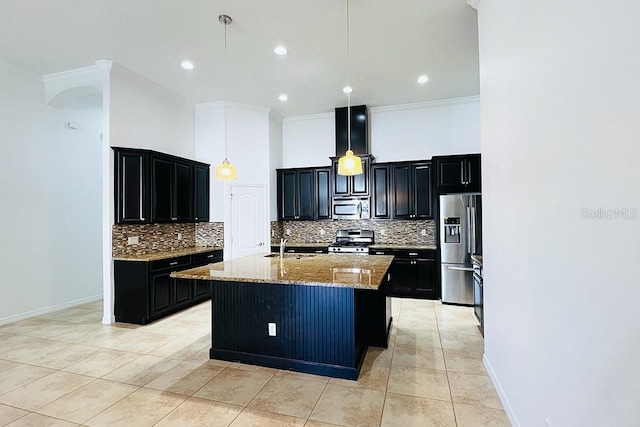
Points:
[(155, 256)]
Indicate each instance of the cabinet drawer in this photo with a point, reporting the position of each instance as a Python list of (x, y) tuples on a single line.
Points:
[(415, 254), (207, 257), (172, 263)]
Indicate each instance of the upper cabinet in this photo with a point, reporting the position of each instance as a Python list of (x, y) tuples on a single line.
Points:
[(359, 130), (304, 194), (153, 187), (381, 191), (132, 187), (411, 183), (356, 185), (458, 174)]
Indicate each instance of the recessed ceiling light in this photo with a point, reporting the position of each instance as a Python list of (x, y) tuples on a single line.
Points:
[(187, 65), (423, 79), (347, 89), (283, 97), (280, 50)]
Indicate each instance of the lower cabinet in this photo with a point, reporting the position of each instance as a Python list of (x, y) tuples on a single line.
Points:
[(144, 290), (413, 273), (302, 249)]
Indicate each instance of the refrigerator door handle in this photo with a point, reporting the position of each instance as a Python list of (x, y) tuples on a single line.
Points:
[(473, 230), (469, 230), (460, 268)]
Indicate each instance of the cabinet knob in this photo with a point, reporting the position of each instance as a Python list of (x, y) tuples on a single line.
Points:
[(196, 218)]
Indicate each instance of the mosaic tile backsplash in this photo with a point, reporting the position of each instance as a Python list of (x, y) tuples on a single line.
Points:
[(163, 237), (386, 231)]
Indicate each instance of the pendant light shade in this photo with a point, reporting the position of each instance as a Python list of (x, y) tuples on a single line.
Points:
[(226, 171), (349, 164)]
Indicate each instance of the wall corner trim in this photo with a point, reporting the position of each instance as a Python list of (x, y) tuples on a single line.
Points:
[(474, 3)]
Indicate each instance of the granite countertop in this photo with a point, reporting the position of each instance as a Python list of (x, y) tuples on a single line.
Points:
[(477, 258), (154, 256), (416, 246), (351, 271)]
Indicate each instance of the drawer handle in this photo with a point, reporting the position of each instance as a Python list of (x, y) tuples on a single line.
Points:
[(173, 263), (318, 252), (379, 253), (291, 250), (209, 256), (413, 253)]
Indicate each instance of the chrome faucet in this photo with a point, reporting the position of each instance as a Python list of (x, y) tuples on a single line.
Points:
[(283, 244)]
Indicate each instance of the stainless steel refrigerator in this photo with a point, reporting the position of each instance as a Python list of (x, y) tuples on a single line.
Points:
[(460, 237)]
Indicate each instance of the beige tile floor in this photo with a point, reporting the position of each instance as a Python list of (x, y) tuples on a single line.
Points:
[(67, 369)]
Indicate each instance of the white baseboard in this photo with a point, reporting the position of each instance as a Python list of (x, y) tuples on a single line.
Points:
[(50, 309), (503, 398)]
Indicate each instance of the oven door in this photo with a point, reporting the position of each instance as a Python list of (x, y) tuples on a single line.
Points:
[(351, 208)]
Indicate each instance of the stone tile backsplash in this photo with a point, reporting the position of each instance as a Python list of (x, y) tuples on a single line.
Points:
[(163, 237), (386, 231)]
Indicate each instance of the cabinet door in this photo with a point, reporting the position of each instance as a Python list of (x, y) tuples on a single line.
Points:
[(424, 278), (451, 173), (182, 289), (422, 191), (402, 194), (132, 198), (182, 192), (201, 290), (473, 175), (359, 130), (402, 272), (305, 194), (287, 195), (380, 191), (201, 193), (340, 182), (161, 183), (323, 193), (161, 293), (360, 183)]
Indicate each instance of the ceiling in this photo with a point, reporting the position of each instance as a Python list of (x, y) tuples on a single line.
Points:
[(392, 43)]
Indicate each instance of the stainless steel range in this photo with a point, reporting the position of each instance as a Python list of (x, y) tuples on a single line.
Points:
[(352, 242)]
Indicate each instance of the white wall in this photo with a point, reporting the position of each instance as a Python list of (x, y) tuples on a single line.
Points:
[(406, 132), (144, 115), (275, 162), (560, 131), (50, 184)]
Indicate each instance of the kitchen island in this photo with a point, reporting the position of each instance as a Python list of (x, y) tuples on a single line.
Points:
[(313, 313)]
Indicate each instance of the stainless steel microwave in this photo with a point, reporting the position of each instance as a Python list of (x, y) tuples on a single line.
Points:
[(351, 208)]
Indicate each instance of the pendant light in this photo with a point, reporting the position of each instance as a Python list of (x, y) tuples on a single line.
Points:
[(226, 171), (349, 164)]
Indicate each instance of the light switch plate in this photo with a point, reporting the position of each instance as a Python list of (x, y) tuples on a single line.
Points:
[(424, 232), (179, 236), (272, 329), (133, 240)]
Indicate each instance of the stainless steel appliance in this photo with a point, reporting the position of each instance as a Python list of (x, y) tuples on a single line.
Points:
[(478, 294), (352, 242), (460, 237), (350, 208)]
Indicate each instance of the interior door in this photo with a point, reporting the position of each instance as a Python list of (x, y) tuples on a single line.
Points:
[(248, 220)]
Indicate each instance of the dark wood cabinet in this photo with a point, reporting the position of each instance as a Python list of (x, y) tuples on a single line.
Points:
[(359, 130), (322, 199), (303, 249), (152, 187), (356, 185), (458, 174), (144, 291), (380, 191), (411, 183), (131, 187), (201, 186), (172, 190), (304, 194), (413, 273)]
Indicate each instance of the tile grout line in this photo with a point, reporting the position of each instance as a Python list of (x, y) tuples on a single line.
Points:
[(453, 408)]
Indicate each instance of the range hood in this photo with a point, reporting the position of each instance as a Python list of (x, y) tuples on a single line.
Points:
[(359, 130)]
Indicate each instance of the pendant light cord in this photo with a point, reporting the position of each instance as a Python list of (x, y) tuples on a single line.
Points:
[(224, 107), (348, 82)]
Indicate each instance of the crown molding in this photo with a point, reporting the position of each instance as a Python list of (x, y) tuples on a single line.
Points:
[(474, 3), (309, 116), (121, 71), (275, 115), (92, 76), (427, 104), (236, 105)]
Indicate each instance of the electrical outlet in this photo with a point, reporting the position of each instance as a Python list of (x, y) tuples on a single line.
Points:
[(423, 232), (273, 233), (133, 240), (288, 232), (383, 232), (322, 232), (272, 329), (179, 236)]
